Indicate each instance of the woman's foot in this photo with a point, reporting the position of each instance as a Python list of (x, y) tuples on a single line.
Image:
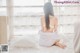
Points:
[(61, 45)]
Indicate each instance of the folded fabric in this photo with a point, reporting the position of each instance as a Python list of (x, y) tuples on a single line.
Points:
[(27, 41)]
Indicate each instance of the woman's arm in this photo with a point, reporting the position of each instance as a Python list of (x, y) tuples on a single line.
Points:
[(56, 24), (43, 23)]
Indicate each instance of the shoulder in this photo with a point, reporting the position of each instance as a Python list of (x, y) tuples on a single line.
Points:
[(54, 18), (42, 17)]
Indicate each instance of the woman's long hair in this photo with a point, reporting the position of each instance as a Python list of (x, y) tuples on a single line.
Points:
[(48, 10)]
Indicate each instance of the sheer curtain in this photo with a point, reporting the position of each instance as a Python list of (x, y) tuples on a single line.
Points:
[(77, 38)]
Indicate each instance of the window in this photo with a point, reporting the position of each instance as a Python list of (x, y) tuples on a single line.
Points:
[(28, 2), (27, 13), (3, 8)]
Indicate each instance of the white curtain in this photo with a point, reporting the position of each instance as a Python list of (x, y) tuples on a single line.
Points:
[(77, 38)]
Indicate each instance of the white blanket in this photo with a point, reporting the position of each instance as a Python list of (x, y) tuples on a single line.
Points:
[(25, 41)]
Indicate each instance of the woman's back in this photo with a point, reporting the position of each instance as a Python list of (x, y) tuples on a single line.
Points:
[(48, 36), (53, 24)]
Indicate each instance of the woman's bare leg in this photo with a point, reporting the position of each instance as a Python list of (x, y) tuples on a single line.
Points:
[(61, 45)]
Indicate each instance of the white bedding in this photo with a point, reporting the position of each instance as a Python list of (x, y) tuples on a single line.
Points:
[(68, 38), (25, 41)]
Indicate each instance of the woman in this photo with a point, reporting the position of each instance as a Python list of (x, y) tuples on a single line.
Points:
[(48, 34)]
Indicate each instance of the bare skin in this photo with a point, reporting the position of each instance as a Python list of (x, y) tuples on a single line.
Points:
[(61, 45), (54, 24)]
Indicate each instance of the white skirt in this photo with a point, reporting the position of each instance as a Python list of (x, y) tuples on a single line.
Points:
[(48, 38)]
